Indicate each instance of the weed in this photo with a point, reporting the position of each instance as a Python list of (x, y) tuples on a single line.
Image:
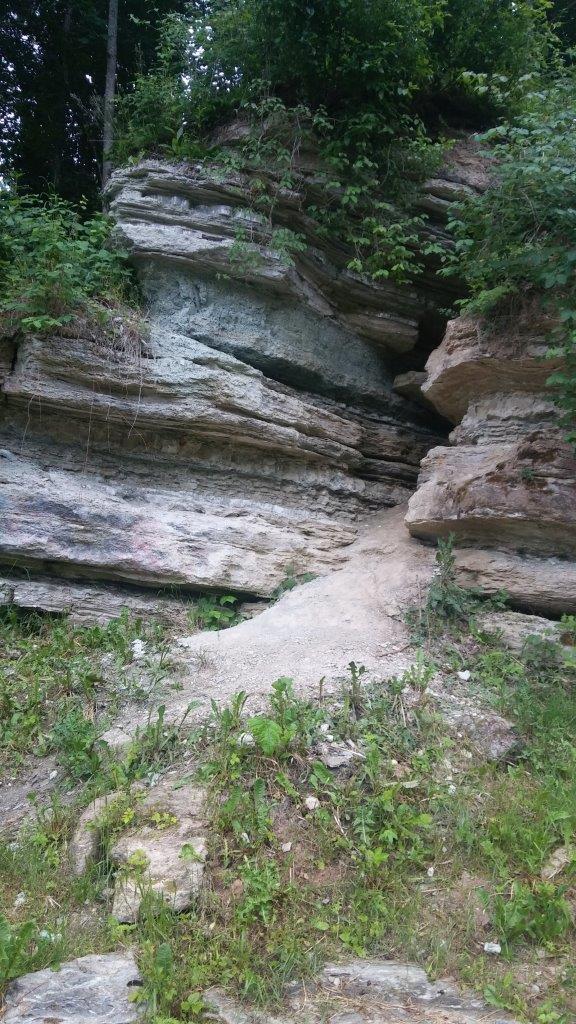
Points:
[(50, 672), (448, 606), (214, 613), (21, 946), (538, 912), (292, 579)]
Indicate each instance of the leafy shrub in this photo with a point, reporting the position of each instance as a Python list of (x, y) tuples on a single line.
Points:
[(55, 266), (214, 612), (516, 241), (359, 75)]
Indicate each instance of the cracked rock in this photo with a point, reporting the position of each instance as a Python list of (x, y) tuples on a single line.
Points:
[(93, 988)]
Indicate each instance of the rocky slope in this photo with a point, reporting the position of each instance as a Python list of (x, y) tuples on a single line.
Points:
[(248, 435), (506, 488)]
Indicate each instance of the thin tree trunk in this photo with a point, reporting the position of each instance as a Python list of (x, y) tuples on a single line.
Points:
[(110, 89)]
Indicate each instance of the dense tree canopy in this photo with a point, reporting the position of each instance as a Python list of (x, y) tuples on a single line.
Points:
[(369, 61), (52, 66)]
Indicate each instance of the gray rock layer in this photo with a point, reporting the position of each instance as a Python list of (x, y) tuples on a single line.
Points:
[(95, 989), (244, 438)]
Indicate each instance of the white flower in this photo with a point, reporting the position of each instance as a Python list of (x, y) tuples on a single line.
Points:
[(138, 649)]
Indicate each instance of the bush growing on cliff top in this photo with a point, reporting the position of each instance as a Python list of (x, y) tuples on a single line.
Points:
[(348, 57), (374, 81), (54, 265), (518, 239)]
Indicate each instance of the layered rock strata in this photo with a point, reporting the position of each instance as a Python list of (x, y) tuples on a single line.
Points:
[(506, 488), (246, 436)]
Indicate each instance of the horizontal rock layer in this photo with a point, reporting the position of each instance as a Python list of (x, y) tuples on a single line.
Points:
[(245, 437), (507, 486)]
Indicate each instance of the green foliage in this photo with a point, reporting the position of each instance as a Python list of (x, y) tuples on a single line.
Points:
[(538, 912), (515, 243), (263, 889), (291, 579), (75, 740), (214, 612), (54, 266), (22, 947), (484, 49), (448, 606), (360, 79)]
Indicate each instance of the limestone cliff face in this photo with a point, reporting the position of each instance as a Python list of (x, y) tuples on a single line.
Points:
[(506, 488), (251, 433), (256, 427)]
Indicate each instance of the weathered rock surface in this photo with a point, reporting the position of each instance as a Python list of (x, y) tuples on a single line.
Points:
[(514, 629), (367, 992), (162, 851), (170, 851), (509, 480), (89, 604), (249, 434), (92, 988)]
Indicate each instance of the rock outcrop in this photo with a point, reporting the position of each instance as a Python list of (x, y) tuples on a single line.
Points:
[(251, 430), (254, 428), (96, 988), (366, 992), (506, 489)]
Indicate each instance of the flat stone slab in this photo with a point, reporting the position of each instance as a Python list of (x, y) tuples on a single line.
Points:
[(91, 990), (366, 992)]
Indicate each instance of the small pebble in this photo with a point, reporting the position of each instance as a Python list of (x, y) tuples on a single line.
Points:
[(465, 675), (312, 803), (286, 847)]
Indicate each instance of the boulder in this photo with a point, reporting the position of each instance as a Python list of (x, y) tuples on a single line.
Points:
[(165, 854), (365, 992)]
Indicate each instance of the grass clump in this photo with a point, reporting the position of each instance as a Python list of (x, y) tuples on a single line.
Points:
[(52, 682)]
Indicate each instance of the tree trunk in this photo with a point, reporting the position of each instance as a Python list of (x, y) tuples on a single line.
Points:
[(109, 90)]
